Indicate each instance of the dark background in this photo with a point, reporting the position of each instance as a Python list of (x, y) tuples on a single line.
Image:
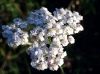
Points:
[(83, 56)]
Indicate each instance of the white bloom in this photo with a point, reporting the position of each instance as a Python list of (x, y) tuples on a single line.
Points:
[(67, 30), (70, 21), (23, 24), (79, 17), (53, 50), (49, 25), (71, 39), (24, 41), (62, 54), (7, 33), (40, 53), (57, 25), (57, 15), (78, 28), (53, 21), (64, 36), (59, 61), (17, 21), (53, 67), (36, 53), (70, 31), (51, 58), (45, 50), (44, 65), (40, 37), (60, 48), (81, 28), (35, 44), (51, 32), (64, 42), (59, 31), (33, 64), (69, 13), (42, 44), (35, 31), (56, 39), (41, 58)]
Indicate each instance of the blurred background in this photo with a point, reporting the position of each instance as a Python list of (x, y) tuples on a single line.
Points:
[(83, 56)]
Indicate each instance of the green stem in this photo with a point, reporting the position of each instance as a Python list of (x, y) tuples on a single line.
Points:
[(27, 64), (62, 71), (2, 67), (50, 41), (16, 55), (28, 43), (70, 4)]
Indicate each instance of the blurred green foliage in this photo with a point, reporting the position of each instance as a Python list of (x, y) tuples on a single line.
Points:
[(83, 56)]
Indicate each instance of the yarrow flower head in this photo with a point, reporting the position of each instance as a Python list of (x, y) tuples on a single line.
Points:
[(15, 35), (48, 37)]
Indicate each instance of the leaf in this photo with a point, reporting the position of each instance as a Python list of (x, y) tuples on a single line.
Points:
[(64, 65), (2, 52)]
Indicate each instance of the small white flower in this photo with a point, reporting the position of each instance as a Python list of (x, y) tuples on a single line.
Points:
[(57, 25), (53, 21), (62, 54), (36, 53), (45, 50), (49, 25), (51, 58), (33, 64), (41, 58), (5, 27), (77, 28), (64, 37), (53, 67), (60, 48), (44, 65), (40, 37), (59, 31), (59, 61), (70, 31), (51, 61), (51, 32), (64, 42), (57, 15), (56, 39), (71, 39), (40, 53), (42, 44), (24, 41), (53, 50), (35, 44), (23, 24)]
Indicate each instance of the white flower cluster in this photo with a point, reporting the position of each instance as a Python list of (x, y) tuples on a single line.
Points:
[(14, 33), (50, 34)]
